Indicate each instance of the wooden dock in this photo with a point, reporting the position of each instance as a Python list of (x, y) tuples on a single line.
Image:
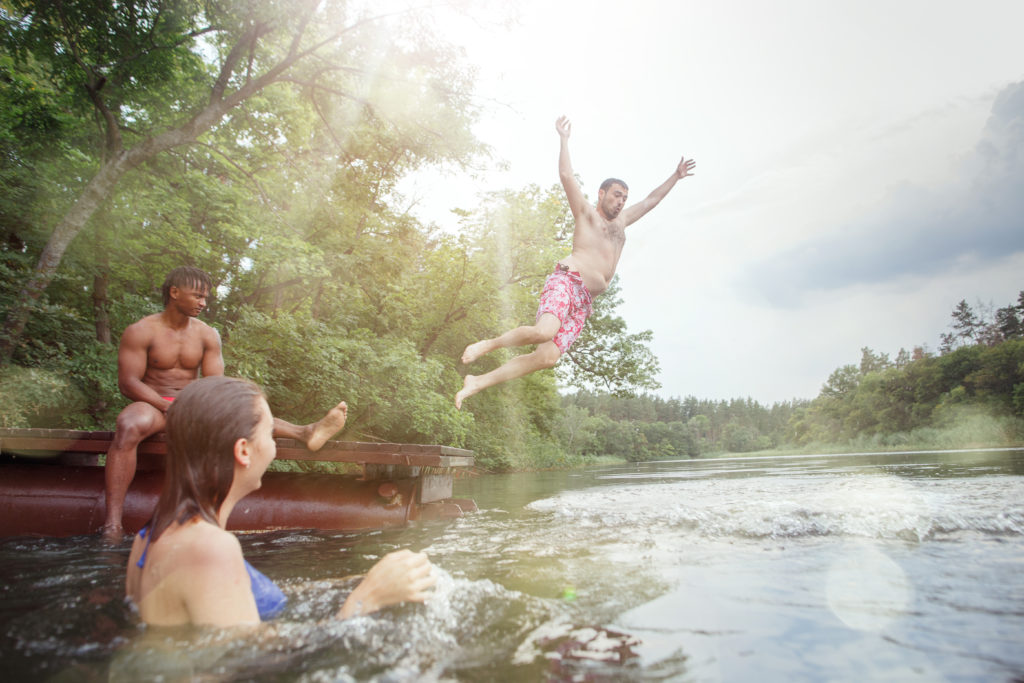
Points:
[(396, 482)]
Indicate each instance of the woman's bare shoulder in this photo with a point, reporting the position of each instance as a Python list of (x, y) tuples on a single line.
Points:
[(200, 545)]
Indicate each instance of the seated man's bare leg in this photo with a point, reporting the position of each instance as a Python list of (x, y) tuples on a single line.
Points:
[(135, 423), (314, 435), (544, 330), (545, 356)]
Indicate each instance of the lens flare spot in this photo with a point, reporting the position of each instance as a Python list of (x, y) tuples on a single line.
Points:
[(866, 589)]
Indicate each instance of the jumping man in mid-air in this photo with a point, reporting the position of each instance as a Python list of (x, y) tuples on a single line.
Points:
[(597, 242)]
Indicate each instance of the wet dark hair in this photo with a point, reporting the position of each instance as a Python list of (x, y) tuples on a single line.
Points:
[(614, 181), (203, 424), (185, 276)]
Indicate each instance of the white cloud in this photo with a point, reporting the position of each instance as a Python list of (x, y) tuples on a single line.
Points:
[(918, 229)]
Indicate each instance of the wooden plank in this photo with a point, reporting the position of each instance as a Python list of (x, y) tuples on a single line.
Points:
[(406, 455), (435, 487), (68, 443), (292, 447), (364, 457)]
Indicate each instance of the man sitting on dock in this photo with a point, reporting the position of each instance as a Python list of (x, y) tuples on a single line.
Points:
[(158, 356)]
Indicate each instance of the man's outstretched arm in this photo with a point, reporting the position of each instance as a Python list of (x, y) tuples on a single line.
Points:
[(631, 214), (573, 191)]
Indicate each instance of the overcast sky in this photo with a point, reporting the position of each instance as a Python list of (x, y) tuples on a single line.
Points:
[(860, 167)]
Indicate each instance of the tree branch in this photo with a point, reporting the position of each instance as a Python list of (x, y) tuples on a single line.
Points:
[(231, 61), (247, 173), (93, 84)]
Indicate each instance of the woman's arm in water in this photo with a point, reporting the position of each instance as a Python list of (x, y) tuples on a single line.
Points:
[(401, 576)]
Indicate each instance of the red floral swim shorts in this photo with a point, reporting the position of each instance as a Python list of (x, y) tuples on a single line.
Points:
[(566, 297)]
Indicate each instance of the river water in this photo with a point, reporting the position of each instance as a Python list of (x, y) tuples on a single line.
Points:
[(842, 567)]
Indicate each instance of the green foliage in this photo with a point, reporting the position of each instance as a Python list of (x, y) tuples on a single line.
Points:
[(738, 438), (514, 425), (252, 96), (93, 369), (981, 326), (607, 356), (972, 396), (30, 117), (639, 428), (579, 431), (33, 397), (306, 368), (841, 382), (968, 396)]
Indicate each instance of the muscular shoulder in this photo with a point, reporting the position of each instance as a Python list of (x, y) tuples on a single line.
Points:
[(140, 331), (207, 333)]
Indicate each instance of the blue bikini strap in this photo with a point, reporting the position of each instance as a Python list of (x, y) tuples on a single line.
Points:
[(142, 558)]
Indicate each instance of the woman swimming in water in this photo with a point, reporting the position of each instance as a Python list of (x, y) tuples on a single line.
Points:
[(184, 566)]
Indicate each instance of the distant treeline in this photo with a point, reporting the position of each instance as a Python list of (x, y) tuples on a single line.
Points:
[(649, 427), (970, 393)]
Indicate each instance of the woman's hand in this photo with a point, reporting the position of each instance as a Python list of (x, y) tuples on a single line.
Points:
[(401, 576)]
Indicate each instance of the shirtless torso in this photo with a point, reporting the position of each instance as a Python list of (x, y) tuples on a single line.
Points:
[(164, 355), (597, 243)]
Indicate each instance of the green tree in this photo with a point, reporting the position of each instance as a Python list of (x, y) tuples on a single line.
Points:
[(738, 438), (607, 355), (873, 362), (1009, 320), (578, 430), (841, 382), (159, 75)]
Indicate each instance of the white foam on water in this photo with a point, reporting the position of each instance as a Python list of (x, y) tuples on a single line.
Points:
[(864, 505)]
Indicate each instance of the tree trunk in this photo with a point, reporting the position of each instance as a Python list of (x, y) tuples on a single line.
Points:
[(96, 192), (120, 162), (100, 305), (74, 220)]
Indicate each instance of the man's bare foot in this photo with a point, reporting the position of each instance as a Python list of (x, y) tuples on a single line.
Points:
[(329, 425), (469, 387), (474, 351), (112, 535)]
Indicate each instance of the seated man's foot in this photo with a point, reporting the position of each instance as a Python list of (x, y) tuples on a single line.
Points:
[(469, 387), (112, 534), (329, 425), (474, 351)]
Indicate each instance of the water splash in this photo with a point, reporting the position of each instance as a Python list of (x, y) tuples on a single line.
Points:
[(869, 505), (464, 623)]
